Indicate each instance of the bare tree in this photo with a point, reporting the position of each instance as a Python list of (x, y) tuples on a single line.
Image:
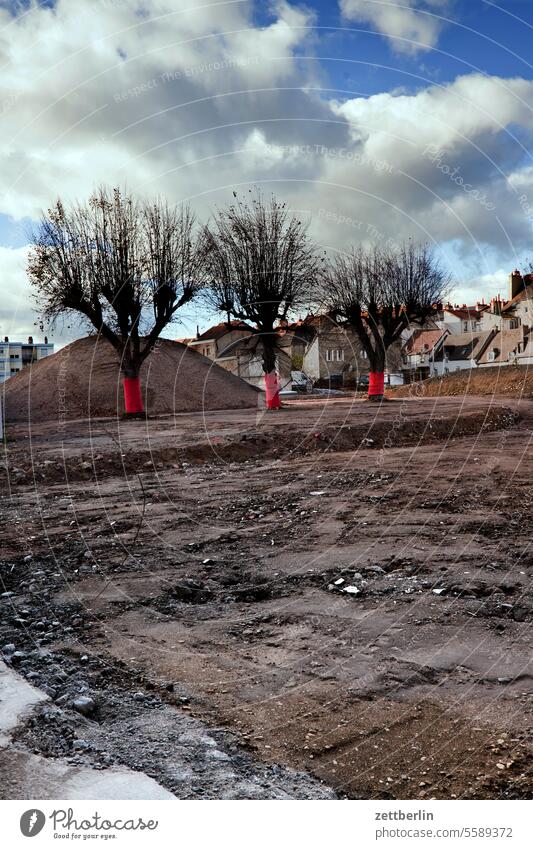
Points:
[(261, 266), (125, 266), (380, 293)]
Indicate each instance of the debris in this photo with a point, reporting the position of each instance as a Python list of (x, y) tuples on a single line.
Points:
[(352, 590)]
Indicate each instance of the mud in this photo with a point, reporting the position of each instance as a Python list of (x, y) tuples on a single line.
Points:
[(193, 589)]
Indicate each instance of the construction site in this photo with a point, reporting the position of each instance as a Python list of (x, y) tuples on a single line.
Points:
[(330, 600)]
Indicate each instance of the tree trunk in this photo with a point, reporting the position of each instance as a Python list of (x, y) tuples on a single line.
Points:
[(271, 378), (376, 385), (133, 399), (272, 391), (376, 382)]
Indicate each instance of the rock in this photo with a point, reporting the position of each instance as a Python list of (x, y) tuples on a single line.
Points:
[(80, 745), (28, 558), (439, 591), (17, 656), (191, 591), (339, 582), (9, 648), (139, 697), (352, 590), (6, 595), (84, 705)]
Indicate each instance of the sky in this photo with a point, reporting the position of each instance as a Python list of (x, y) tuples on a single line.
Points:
[(377, 120)]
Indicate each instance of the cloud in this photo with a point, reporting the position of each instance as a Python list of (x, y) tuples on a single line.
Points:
[(411, 26), (197, 104)]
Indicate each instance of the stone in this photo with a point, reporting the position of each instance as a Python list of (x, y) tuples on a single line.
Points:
[(84, 705), (191, 591), (80, 745), (9, 648)]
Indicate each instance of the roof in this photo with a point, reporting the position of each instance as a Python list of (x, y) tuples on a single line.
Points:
[(464, 313), (423, 341), (219, 330), (525, 295), (504, 341), (464, 346)]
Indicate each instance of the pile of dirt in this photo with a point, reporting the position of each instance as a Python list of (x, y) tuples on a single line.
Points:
[(83, 380), (510, 381)]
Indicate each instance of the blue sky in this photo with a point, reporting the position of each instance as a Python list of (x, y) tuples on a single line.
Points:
[(379, 120)]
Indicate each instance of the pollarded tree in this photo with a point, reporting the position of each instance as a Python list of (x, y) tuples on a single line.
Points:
[(125, 266), (380, 293), (260, 267)]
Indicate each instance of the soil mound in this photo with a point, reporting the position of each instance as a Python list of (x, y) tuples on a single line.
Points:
[(509, 381), (83, 380)]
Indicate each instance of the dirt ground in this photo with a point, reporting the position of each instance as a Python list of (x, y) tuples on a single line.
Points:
[(335, 598), (512, 381)]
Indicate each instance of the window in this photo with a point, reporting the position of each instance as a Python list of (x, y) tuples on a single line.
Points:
[(14, 357), (465, 326), (334, 355), (364, 355)]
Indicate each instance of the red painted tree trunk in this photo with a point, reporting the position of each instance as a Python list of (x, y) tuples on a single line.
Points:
[(272, 391), (376, 385), (133, 400)]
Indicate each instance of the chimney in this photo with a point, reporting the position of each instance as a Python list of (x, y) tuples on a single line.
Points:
[(197, 331), (6, 338), (30, 340), (46, 340), (516, 284)]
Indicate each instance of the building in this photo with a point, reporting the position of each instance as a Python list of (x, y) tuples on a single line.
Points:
[(14, 356), (507, 347), (461, 351), (335, 355), (220, 342), (419, 353), (460, 319)]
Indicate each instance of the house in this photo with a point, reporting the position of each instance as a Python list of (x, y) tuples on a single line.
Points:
[(419, 352), (518, 310), (14, 356), (460, 319), (334, 353), (220, 342), (507, 346), (461, 351)]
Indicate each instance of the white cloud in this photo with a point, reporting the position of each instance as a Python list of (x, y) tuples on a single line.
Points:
[(410, 25), (197, 104)]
